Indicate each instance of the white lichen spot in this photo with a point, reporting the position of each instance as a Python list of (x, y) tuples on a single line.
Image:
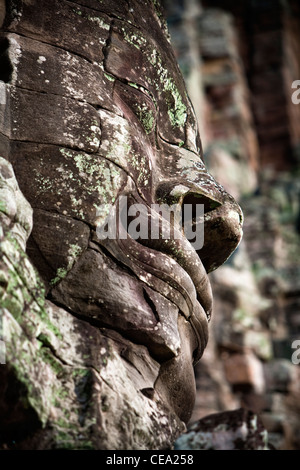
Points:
[(15, 53), (179, 190), (164, 420), (2, 93), (253, 423), (41, 59), (145, 278), (100, 22), (233, 215)]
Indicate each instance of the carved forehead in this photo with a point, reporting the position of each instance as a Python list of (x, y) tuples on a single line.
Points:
[(130, 46)]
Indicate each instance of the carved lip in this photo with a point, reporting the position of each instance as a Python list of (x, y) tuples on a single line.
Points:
[(170, 266), (179, 249), (196, 290), (175, 262), (188, 287)]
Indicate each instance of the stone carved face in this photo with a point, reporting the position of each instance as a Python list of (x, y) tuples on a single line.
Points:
[(98, 110)]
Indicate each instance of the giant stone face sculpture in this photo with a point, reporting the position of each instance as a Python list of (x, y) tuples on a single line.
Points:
[(94, 110)]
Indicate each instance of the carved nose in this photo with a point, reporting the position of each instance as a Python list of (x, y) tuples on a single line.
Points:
[(223, 217), (223, 221)]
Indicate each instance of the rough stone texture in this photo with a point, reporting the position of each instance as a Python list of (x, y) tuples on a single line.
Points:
[(229, 115), (230, 430), (101, 335)]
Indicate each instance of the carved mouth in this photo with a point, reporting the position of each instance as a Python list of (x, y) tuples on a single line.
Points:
[(191, 290), (174, 269)]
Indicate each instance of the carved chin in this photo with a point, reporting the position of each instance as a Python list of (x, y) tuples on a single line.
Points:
[(176, 377)]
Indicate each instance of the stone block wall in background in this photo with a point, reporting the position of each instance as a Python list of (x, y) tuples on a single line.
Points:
[(239, 60)]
